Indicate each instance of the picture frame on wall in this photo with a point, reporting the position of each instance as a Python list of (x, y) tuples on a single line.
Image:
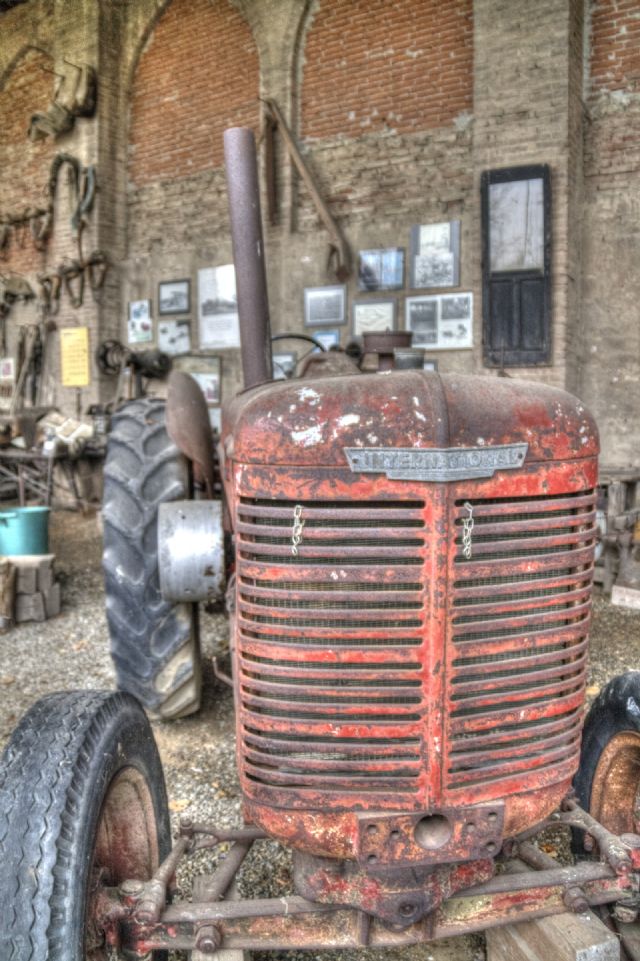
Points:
[(218, 322), (324, 306), (381, 269), (174, 337), (139, 310), (435, 255), (174, 296), (373, 315), (139, 324), (328, 339), (441, 322), (206, 370), (284, 364)]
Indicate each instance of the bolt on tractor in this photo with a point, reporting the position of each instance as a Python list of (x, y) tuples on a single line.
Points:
[(409, 601)]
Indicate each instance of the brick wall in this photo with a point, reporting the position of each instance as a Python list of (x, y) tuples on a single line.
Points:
[(371, 65), (25, 165), (197, 75), (615, 45)]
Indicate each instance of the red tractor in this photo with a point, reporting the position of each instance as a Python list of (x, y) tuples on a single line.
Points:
[(410, 606)]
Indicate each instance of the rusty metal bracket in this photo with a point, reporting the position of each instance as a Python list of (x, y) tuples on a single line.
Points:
[(435, 837), (339, 248)]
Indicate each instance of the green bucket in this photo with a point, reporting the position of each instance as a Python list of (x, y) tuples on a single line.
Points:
[(24, 530)]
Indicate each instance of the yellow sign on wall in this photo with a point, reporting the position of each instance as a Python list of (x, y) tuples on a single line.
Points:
[(74, 356)]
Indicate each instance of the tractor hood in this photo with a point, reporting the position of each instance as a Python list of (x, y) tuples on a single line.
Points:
[(311, 422)]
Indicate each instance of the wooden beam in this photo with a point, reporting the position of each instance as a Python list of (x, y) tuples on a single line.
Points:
[(563, 937)]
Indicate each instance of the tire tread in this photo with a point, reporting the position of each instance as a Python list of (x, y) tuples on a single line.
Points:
[(146, 632)]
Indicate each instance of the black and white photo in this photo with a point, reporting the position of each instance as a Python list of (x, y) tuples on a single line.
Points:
[(218, 308), (435, 255), (324, 306), (381, 269), (456, 306), (422, 320), (174, 297), (441, 322)]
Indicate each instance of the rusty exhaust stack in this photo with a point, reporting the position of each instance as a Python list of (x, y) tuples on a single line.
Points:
[(248, 254)]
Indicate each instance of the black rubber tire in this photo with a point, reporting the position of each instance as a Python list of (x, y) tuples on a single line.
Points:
[(154, 643), (615, 710), (54, 776)]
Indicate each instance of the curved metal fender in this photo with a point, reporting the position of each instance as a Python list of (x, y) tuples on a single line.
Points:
[(191, 551), (188, 425)]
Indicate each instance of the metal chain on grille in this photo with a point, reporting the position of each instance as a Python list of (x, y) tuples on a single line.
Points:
[(467, 530), (296, 533)]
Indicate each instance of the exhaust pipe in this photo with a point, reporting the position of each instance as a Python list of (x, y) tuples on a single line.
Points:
[(248, 255)]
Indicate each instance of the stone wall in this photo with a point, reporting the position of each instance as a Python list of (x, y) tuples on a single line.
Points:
[(609, 361)]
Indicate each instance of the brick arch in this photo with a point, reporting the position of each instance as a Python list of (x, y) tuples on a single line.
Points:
[(27, 89), (371, 65), (198, 74)]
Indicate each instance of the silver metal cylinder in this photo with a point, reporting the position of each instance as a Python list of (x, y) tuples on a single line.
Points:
[(191, 551)]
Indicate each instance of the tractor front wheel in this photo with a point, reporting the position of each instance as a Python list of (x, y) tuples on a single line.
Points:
[(608, 780), (82, 806)]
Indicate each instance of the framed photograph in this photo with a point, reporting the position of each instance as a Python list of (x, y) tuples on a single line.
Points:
[(206, 370), (209, 381), (443, 322), (174, 337), (140, 328), (435, 255), (139, 310), (7, 369), (215, 418), (372, 315), (324, 306), (284, 364), (219, 327), (381, 269), (210, 386), (328, 339), (174, 297)]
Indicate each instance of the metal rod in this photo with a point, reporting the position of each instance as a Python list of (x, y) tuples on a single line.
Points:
[(580, 874), (611, 847), (535, 857), (248, 254), (340, 245), (154, 896), (260, 907), (232, 834), (216, 885)]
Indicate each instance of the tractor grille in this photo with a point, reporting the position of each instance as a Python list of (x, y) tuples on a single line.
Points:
[(519, 614), (338, 648), (328, 642)]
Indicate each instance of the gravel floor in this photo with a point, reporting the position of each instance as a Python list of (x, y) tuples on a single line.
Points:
[(71, 651)]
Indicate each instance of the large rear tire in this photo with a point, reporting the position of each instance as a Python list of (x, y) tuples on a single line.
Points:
[(154, 643), (82, 805)]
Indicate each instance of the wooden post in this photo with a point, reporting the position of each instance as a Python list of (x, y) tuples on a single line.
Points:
[(7, 593)]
